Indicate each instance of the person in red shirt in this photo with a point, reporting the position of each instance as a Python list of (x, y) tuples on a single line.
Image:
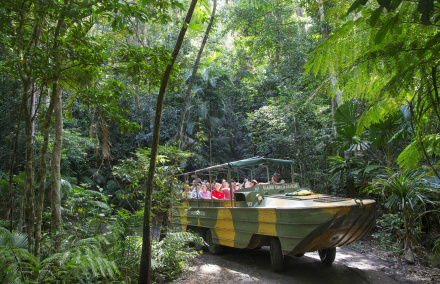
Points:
[(217, 193)]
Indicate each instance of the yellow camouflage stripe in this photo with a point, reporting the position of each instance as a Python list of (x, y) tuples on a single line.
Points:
[(224, 227), (267, 221)]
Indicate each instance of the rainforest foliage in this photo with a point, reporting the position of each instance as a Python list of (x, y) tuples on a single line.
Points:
[(347, 89)]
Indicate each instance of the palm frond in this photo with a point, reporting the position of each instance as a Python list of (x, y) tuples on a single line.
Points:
[(17, 264), (15, 239), (84, 258)]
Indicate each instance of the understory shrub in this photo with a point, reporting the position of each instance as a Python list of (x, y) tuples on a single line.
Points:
[(79, 261)]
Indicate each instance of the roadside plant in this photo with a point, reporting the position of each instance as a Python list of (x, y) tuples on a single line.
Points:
[(79, 260), (406, 193), (90, 207), (125, 242), (341, 166), (171, 254), (389, 228), (436, 248)]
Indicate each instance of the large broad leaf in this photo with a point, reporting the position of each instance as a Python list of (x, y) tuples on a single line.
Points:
[(386, 27), (382, 132), (375, 16), (356, 4), (346, 115), (371, 168)]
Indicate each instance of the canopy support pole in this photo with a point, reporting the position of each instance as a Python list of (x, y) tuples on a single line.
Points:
[(292, 172), (230, 184)]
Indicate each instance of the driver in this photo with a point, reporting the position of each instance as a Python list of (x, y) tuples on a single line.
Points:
[(276, 179)]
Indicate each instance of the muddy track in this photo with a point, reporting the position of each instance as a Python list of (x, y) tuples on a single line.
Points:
[(352, 265)]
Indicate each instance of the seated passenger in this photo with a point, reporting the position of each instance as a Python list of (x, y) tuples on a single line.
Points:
[(253, 183), (276, 179), (194, 184), (237, 186), (204, 194), (217, 185), (195, 191), (226, 190), (186, 190), (188, 193), (217, 193), (246, 183)]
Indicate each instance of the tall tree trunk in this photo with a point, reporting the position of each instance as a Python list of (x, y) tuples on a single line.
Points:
[(324, 30), (145, 266), (42, 188), (335, 100), (300, 14), (55, 188), (193, 75), (11, 171), (27, 104)]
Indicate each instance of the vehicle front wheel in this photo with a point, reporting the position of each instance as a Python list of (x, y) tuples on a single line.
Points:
[(201, 233), (213, 248), (327, 256), (276, 255)]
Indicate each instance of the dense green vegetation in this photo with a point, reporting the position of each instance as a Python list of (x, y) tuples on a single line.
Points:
[(347, 89)]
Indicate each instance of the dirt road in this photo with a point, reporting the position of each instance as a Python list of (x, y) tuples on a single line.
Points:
[(352, 265)]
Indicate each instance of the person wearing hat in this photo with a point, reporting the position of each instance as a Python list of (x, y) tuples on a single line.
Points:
[(276, 179)]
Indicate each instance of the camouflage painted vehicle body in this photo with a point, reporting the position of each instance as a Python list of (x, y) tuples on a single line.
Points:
[(263, 214)]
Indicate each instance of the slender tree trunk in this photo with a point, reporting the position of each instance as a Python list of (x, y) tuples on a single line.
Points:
[(29, 172), (336, 100), (300, 14), (193, 75), (21, 219), (324, 30), (11, 171), (145, 266), (55, 188), (42, 188)]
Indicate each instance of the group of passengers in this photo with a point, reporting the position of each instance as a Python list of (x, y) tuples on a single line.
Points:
[(205, 190)]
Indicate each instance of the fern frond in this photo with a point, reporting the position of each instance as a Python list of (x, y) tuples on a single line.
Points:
[(16, 263), (15, 239), (376, 112), (84, 258), (413, 153), (89, 242), (6, 237), (65, 185)]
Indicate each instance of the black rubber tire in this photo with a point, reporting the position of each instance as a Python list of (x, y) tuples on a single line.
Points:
[(192, 230), (327, 256), (213, 248), (201, 233), (276, 255)]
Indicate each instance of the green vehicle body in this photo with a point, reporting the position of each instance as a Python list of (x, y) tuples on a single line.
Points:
[(264, 214)]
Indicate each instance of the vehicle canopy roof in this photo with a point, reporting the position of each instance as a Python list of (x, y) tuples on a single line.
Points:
[(257, 161)]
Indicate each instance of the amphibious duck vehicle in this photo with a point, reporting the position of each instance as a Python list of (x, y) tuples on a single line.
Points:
[(287, 217)]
